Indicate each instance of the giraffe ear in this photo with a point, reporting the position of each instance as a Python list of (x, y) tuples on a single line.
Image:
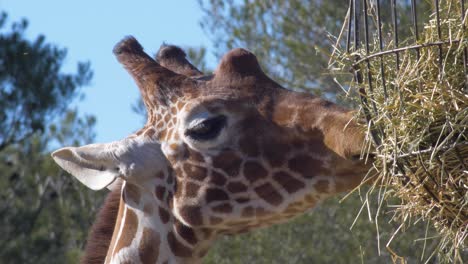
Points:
[(94, 165)]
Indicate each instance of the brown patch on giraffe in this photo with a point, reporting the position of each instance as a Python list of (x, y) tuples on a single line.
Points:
[(128, 231), (160, 125), (191, 189), (260, 212), (217, 178), (173, 110), (253, 171), (346, 172), (139, 132), (174, 147), (167, 117), (160, 175), (248, 211), (176, 136), (305, 165), (275, 154), (248, 146), (283, 114), (160, 191), (268, 193), (236, 187), (206, 233), (310, 199), (162, 134), (150, 133), (179, 249), (240, 223), (229, 162), (215, 194), (195, 156), (222, 208), (195, 172), (185, 232), (191, 214), (174, 99), (180, 105), (242, 200), (149, 246), (164, 215), (341, 186), (132, 192), (179, 172), (148, 209), (173, 121), (215, 220), (293, 207), (298, 144), (289, 183), (315, 143), (322, 186)]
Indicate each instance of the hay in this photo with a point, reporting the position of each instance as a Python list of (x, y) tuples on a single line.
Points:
[(417, 112)]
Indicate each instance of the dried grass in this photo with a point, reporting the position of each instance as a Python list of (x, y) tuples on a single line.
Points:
[(418, 112)]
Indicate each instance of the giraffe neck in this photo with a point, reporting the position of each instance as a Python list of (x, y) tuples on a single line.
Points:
[(146, 230)]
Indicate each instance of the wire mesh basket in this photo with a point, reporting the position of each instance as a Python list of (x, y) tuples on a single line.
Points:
[(409, 63)]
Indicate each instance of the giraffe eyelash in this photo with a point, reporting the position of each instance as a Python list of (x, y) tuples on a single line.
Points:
[(207, 129)]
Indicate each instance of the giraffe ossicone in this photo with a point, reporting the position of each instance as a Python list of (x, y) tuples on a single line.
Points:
[(219, 154)]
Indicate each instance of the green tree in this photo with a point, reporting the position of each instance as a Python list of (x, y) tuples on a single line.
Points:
[(44, 213), (32, 88), (293, 39), (283, 34)]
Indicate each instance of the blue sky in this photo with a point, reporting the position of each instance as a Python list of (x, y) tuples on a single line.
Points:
[(89, 30)]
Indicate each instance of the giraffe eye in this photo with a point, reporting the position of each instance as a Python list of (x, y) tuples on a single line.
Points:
[(207, 129)]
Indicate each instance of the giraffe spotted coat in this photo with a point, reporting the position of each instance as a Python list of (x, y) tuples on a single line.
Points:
[(220, 154)]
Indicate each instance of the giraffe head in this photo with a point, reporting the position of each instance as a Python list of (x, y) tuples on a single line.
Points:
[(227, 152)]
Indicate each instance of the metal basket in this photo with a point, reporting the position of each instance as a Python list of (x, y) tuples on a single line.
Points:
[(359, 27), (375, 45)]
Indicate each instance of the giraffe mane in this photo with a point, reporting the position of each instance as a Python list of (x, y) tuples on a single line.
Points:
[(100, 236)]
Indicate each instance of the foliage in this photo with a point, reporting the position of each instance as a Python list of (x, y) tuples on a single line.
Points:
[(283, 34), (44, 213), (32, 88)]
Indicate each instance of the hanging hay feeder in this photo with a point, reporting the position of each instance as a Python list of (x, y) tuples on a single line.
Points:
[(413, 93)]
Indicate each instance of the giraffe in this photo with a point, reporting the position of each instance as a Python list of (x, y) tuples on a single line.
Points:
[(220, 154)]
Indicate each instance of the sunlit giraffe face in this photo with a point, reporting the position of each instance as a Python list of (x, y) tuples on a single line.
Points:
[(243, 152), (228, 152)]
